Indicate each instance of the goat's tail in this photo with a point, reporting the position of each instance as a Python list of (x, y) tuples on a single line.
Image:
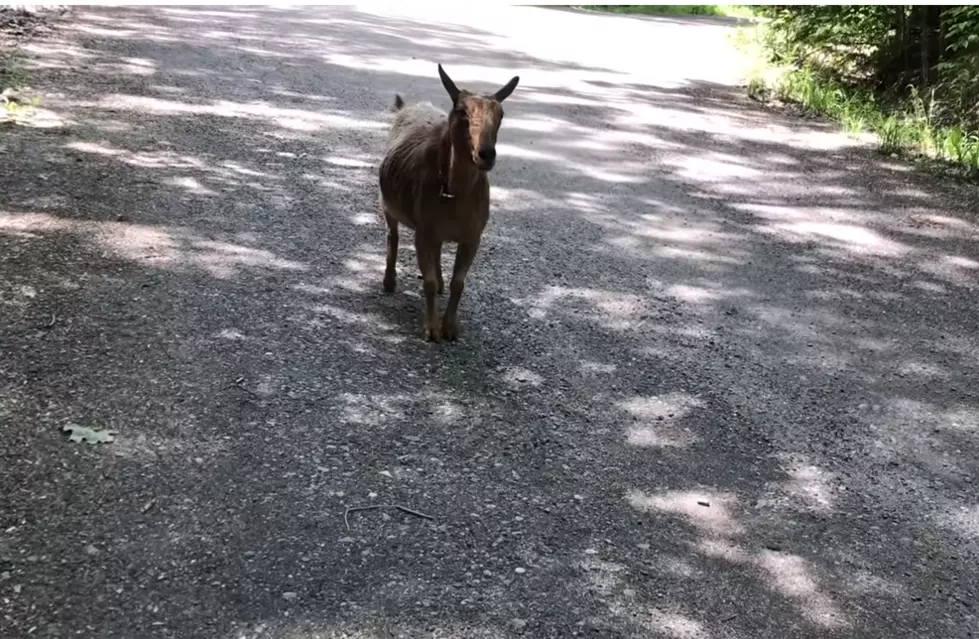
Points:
[(399, 103)]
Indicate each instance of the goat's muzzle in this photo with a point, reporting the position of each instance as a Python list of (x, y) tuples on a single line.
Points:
[(485, 158)]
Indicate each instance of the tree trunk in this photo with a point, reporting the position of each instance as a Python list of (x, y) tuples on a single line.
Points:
[(925, 46), (903, 43)]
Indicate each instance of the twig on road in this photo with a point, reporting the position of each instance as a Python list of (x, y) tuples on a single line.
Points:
[(240, 383), (404, 509)]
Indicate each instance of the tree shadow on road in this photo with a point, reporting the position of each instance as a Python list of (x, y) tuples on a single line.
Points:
[(714, 378)]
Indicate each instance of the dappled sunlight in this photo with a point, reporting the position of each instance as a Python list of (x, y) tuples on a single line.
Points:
[(130, 66), (710, 512), (716, 167), (422, 68), (952, 269), (619, 311), (518, 376), (167, 159), (932, 435), (712, 293), (963, 520), (864, 582), (714, 514), (608, 580), (597, 368), (156, 246), (223, 259), (710, 354), (163, 247), (57, 55), (676, 626), (799, 225), (677, 567), (517, 152), (176, 442), (191, 185), (667, 235), (792, 577), (511, 200), (178, 248), (659, 420), (849, 237), (808, 488), (943, 226), (378, 411), (375, 629), (336, 314), (294, 119), (365, 163), (31, 225)]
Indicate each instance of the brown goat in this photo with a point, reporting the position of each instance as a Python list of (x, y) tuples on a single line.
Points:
[(433, 180)]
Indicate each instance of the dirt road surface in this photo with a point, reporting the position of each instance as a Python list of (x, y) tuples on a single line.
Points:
[(717, 377)]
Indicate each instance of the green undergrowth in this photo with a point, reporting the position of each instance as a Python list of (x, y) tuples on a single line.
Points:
[(907, 127), (15, 103), (12, 74), (726, 10)]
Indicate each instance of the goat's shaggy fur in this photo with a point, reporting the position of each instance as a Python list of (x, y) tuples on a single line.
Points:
[(433, 179), (415, 152)]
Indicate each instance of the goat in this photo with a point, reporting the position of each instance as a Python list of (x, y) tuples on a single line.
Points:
[(433, 180)]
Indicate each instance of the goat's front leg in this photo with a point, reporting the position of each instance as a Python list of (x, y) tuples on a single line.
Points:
[(438, 268), (426, 249), (464, 259)]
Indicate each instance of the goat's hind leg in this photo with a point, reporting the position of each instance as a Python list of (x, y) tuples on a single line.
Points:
[(390, 269)]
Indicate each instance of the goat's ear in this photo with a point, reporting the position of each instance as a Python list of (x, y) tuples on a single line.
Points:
[(449, 85), (505, 92)]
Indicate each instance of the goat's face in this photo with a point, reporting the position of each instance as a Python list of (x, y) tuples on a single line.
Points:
[(475, 120)]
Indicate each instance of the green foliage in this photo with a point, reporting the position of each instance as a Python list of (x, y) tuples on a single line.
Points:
[(14, 105), (823, 33), (884, 47), (734, 10), (908, 74), (959, 68)]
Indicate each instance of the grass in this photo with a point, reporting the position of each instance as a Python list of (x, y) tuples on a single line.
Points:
[(910, 129), (726, 10)]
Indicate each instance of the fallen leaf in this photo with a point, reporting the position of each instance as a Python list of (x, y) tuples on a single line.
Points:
[(89, 436)]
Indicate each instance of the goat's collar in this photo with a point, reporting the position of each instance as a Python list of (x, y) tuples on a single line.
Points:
[(444, 188)]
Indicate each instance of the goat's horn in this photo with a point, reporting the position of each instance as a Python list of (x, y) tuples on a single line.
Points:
[(449, 85), (505, 92)]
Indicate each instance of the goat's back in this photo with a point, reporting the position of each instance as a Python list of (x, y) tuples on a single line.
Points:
[(412, 123)]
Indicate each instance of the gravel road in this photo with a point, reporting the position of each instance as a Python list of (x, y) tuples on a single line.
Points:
[(717, 376)]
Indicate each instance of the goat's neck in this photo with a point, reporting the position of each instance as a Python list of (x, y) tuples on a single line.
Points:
[(459, 174)]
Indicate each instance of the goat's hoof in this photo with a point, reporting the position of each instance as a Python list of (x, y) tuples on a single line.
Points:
[(450, 329), (431, 333), (390, 283)]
